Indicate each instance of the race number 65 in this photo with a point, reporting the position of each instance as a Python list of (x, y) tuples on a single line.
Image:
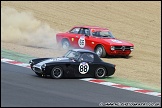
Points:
[(81, 42)]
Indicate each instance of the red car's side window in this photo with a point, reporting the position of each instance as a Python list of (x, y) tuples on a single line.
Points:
[(75, 30), (85, 31)]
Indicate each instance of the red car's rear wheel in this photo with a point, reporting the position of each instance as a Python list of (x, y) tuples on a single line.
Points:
[(65, 44)]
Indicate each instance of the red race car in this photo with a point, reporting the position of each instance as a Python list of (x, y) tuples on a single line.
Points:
[(94, 38)]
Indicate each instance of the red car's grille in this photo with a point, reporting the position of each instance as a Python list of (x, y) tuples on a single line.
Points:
[(122, 48)]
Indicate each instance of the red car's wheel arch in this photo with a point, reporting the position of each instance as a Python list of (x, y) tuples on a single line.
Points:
[(102, 46), (64, 39)]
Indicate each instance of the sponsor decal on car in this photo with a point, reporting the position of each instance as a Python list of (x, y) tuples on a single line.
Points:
[(116, 41), (72, 39)]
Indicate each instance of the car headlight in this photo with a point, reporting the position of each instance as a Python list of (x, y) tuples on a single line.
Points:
[(30, 62), (112, 47), (43, 66), (131, 48)]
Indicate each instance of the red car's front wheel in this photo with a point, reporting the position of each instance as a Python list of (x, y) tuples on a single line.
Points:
[(100, 51)]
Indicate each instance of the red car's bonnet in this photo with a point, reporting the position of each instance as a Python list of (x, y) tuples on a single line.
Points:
[(116, 42)]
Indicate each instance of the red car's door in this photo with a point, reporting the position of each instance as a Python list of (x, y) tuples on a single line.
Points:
[(78, 41), (91, 42), (82, 39), (74, 36)]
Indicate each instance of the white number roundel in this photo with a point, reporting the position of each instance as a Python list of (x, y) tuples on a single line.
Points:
[(81, 42), (83, 68)]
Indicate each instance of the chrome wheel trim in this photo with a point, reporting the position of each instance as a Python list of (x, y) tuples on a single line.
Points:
[(65, 44), (99, 51), (100, 72), (57, 72)]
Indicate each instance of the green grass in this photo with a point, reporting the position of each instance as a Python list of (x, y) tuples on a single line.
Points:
[(16, 56)]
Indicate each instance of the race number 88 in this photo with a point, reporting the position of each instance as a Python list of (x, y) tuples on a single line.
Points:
[(83, 67)]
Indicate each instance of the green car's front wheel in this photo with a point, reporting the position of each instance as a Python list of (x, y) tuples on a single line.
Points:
[(57, 72)]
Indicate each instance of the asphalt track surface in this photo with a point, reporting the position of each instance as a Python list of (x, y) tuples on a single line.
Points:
[(20, 87)]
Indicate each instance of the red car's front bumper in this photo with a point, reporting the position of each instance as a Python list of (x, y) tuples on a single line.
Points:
[(119, 52)]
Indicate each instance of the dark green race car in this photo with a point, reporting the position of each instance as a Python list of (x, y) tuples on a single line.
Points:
[(75, 63)]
